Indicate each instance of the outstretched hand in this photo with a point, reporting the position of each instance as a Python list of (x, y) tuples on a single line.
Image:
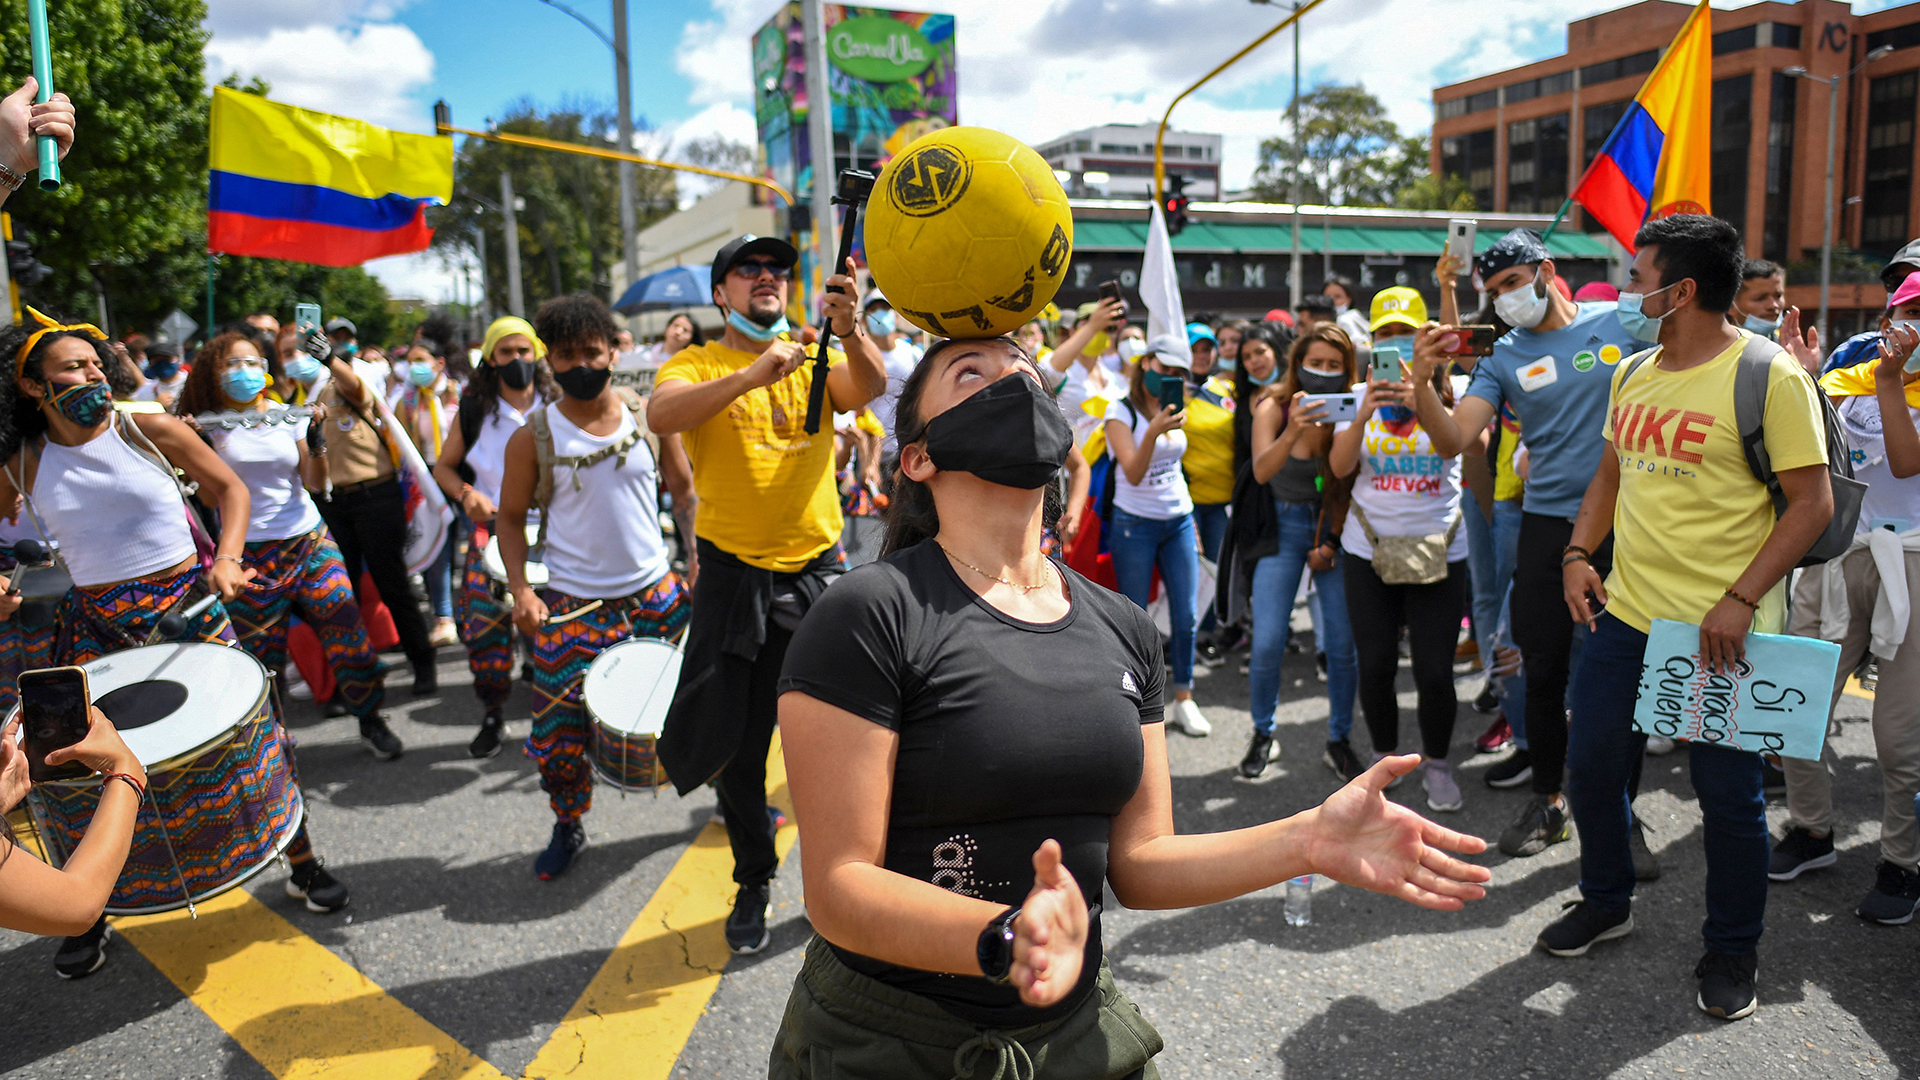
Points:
[(1050, 934), (1362, 838)]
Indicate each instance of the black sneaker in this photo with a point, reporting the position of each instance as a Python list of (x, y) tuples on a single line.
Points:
[(1646, 866), (426, 679), (568, 838), (1772, 779), (379, 739), (1209, 654), (1581, 927), (747, 926), (1894, 896), (487, 742), (1727, 984), (1488, 702), (312, 883), (1342, 760), (1798, 852), (334, 710), (1261, 751), (1511, 771), (1539, 826), (81, 956)]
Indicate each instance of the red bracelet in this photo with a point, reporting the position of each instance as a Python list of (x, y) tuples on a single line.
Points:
[(1731, 595), (139, 790)]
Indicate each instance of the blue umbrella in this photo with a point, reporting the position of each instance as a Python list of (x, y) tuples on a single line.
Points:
[(676, 287)]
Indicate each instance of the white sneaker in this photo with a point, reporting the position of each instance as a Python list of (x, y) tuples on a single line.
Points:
[(1188, 718), (1443, 788), (1659, 744), (297, 687)]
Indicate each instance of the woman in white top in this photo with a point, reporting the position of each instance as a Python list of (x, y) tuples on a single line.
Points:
[(425, 410), (297, 565), (511, 381), (607, 570), (1153, 514), (1403, 489)]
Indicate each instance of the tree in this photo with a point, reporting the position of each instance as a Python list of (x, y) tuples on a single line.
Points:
[(1345, 151)]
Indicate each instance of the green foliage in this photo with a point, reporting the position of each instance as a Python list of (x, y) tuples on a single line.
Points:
[(1850, 267), (243, 286), (1431, 192), (1351, 154)]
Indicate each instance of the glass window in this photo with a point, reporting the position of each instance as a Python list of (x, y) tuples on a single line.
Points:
[(1888, 190), (1786, 36), (1732, 136), (1483, 101), (1451, 108), (1523, 91), (1775, 222), (1738, 39), (1900, 37), (1556, 84), (1470, 157), (1537, 164)]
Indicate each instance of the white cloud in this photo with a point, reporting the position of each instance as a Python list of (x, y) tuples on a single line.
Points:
[(423, 275), (724, 119), (369, 71), (258, 17)]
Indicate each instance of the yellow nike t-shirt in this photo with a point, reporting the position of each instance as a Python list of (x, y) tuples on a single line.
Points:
[(1690, 515), (766, 487)]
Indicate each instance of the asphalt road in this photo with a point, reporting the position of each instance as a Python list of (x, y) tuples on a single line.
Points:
[(449, 919)]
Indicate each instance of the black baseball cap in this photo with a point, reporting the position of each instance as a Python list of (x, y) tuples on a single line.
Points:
[(342, 323), (1904, 262), (744, 247), (1514, 249)]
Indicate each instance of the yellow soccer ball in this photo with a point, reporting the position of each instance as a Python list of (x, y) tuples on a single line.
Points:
[(968, 233)]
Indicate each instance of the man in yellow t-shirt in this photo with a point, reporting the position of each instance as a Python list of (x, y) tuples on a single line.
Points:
[(1695, 540), (767, 526)]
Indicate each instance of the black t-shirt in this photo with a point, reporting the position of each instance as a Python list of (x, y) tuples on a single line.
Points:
[(1010, 733)]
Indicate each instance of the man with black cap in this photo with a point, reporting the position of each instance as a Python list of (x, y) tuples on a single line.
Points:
[(1861, 348), (1555, 369), (768, 529)]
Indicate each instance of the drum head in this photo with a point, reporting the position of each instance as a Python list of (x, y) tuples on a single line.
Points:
[(629, 686), (169, 700), (497, 566)]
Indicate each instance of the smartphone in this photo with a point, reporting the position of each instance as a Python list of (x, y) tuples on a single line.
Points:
[(306, 317), (1386, 362), (1476, 339), (1110, 290), (1336, 408), (1173, 392), (53, 712), (1460, 238)]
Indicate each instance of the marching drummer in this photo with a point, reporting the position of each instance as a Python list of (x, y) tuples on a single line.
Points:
[(296, 562), (104, 484), (504, 389), (594, 470)]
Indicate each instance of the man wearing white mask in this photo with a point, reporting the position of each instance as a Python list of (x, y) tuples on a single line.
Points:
[(900, 356)]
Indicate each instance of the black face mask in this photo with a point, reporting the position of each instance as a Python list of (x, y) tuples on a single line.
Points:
[(1010, 433), (515, 374), (583, 383), (1319, 382)]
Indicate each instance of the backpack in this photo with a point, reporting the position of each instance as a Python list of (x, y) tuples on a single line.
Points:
[(1750, 384), (544, 459)]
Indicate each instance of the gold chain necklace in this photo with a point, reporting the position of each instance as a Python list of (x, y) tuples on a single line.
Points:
[(996, 577)]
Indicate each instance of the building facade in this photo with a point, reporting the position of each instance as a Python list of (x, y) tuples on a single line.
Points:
[(1521, 138), (1115, 161)]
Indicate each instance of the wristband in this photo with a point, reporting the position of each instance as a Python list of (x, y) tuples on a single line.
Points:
[(9, 179), (1573, 557), (1576, 547), (1731, 595), (139, 792), (234, 559)]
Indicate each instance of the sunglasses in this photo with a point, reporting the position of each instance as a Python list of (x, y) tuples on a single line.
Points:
[(752, 269)]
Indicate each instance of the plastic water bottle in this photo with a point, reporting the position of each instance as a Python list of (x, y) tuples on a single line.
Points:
[(1300, 900)]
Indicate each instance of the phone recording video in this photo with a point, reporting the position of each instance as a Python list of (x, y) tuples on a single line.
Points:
[(1474, 339), (1173, 392), (54, 715)]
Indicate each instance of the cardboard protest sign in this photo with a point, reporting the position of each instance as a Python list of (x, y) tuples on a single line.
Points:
[(1775, 701)]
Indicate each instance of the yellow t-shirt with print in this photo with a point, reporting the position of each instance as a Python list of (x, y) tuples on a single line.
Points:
[(1690, 516), (1507, 484), (767, 493), (1208, 461)]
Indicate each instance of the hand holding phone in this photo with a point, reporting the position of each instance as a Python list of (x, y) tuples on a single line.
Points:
[(1341, 408), (1473, 339), (1388, 356), (54, 706), (1173, 393), (306, 318)]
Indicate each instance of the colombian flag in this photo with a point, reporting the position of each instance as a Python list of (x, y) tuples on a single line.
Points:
[(288, 183), (1657, 160)]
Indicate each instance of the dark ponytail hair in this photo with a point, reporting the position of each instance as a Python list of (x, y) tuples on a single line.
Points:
[(21, 420)]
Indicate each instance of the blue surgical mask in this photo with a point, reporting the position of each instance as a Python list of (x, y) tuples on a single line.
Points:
[(753, 331), (304, 369), (1642, 326), (881, 323), (161, 371), (243, 384), (422, 375), (1766, 328), (1268, 381)]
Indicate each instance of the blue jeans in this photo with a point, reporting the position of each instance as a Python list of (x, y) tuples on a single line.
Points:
[(1492, 550), (1276, 581), (1138, 545), (1602, 750), (1211, 521)]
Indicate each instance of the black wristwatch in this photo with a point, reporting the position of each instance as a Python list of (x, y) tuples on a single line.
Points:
[(994, 952)]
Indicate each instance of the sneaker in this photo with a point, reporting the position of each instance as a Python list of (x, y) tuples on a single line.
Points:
[(1488, 702), (487, 743), (1646, 866), (1658, 745), (1246, 667), (312, 883), (1727, 984), (1209, 654), (1468, 649), (297, 688), (1581, 927), (1188, 718), (1497, 737), (1539, 826), (1870, 676), (426, 680), (1261, 751), (747, 925), (1395, 782), (379, 739), (83, 955), (1342, 760), (1320, 666), (1894, 896), (1772, 779), (568, 838), (443, 633), (1512, 771), (1443, 787), (1798, 852)]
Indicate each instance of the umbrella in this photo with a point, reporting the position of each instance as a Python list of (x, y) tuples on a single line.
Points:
[(675, 287)]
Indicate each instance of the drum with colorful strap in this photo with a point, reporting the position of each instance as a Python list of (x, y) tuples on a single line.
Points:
[(627, 690), (497, 566), (222, 799)]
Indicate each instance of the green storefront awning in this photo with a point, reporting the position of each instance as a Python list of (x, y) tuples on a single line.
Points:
[(1277, 237)]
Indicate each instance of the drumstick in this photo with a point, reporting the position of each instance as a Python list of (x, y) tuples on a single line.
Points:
[(28, 554), (200, 608), (575, 613)]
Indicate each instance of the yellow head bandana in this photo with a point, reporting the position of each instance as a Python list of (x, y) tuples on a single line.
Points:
[(511, 324), (48, 326), (1858, 381)]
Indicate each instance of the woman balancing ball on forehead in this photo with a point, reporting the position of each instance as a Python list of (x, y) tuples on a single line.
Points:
[(103, 483), (974, 742)]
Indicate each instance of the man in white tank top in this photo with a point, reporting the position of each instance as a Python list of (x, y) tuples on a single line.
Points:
[(587, 459)]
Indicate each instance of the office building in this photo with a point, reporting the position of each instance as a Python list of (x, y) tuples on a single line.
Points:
[(1115, 161)]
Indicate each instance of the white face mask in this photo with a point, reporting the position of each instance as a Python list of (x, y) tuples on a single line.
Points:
[(1130, 349), (1523, 307)]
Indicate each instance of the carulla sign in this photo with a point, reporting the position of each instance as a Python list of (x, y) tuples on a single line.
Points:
[(878, 49)]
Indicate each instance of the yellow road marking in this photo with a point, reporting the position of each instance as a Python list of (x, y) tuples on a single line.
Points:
[(297, 1008), (1854, 688), (636, 1015)]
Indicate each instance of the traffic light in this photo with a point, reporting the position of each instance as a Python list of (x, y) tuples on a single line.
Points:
[(1176, 204), (22, 267)]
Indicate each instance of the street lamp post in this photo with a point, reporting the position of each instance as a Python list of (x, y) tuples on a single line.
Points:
[(1826, 212), (623, 95)]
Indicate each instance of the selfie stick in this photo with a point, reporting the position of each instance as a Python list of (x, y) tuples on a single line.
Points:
[(855, 186), (42, 51)]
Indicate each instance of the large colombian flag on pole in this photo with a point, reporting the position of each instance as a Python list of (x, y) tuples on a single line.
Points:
[(1657, 161), (289, 183)]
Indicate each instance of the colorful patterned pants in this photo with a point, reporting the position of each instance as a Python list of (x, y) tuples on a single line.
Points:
[(304, 576), (98, 619), (562, 652), (26, 642), (485, 626)]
